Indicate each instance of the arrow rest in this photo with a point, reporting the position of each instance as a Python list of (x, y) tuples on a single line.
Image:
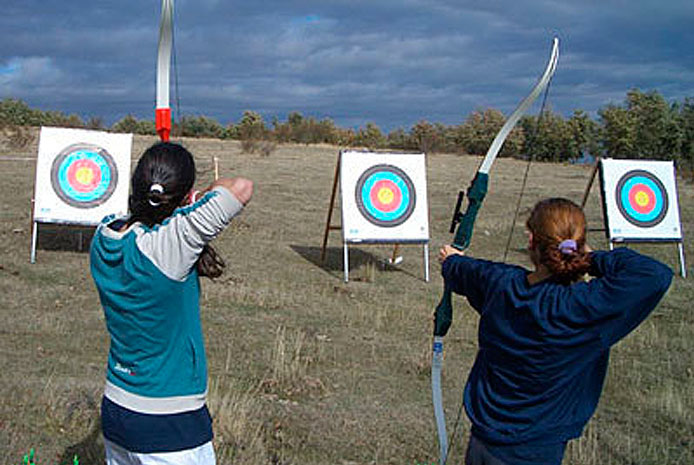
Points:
[(456, 212)]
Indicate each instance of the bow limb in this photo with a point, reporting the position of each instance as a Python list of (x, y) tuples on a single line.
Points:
[(436, 365), (163, 109), (442, 321), (478, 187), (476, 193), (520, 110)]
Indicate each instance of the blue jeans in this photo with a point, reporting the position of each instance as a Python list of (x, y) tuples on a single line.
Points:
[(479, 453)]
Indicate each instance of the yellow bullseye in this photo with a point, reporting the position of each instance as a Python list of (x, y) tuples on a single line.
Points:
[(385, 196), (641, 198), (84, 176)]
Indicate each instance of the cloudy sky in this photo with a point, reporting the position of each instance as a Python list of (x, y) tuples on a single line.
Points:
[(389, 62)]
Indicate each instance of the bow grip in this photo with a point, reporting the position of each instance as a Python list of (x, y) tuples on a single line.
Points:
[(443, 317), (475, 195)]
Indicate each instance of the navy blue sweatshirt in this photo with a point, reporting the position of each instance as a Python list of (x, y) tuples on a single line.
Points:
[(544, 349)]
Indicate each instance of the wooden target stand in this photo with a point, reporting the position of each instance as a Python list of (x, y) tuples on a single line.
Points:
[(395, 258), (597, 172)]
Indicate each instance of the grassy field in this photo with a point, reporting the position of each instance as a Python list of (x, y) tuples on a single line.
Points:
[(305, 369)]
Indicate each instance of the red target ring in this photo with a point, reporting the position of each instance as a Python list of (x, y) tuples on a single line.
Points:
[(84, 175), (642, 198), (386, 196)]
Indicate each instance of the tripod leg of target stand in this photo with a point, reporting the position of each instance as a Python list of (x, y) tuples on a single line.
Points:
[(426, 262), (683, 266), (34, 236), (345, 260), (395, 258)]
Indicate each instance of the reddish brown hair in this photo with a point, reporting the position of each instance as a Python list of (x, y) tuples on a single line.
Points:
[(551, 222)]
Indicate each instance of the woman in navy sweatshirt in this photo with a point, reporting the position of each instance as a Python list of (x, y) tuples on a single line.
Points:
[(545, 335)]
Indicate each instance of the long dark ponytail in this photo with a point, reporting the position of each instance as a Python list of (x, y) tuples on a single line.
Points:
[(164, 176)]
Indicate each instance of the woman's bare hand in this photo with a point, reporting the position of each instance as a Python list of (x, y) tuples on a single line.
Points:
[(447, 251), (242, 188)]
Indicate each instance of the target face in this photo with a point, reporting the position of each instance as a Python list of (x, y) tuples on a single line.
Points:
[(84, 175), (385, 195), (641, 198)]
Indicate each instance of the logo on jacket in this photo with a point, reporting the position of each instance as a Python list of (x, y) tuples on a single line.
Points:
[(123, 369)]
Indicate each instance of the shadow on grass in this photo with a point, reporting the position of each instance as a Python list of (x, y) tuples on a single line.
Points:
[(334, 259), (64, 237), (89, 451)]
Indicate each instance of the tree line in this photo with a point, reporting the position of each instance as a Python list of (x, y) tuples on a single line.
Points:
[(644, 126)]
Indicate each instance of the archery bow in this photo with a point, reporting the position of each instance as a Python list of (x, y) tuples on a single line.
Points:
[(475, 194), (163, 110)]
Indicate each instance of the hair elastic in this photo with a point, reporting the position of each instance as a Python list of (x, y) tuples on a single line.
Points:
[(567, 246), (159, 189)]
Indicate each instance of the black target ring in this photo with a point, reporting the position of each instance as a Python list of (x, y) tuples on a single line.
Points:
[(84, 175), (385, 195), (641, 198)]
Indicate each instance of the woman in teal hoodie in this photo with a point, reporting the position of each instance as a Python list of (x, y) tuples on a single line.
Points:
[(146, 268)]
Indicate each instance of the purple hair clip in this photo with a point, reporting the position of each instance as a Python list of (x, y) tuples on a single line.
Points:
[(567, 246)]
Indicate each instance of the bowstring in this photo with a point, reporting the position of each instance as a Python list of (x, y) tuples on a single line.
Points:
[(451, 439), (531, 144)]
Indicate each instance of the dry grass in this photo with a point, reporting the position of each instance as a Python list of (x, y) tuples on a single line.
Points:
[(304, 368), (238, 423)]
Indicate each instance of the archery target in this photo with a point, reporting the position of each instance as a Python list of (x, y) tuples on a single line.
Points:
[(383, 197), (80, 174), (84, 175), (640, 199)]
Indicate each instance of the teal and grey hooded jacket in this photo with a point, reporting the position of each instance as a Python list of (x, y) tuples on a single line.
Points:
[(149, 289)]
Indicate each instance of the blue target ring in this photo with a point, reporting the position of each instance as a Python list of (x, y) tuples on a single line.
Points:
[(641, 198), (385, 195), (84, 175)]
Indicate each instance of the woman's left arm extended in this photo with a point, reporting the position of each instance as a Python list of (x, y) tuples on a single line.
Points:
[(468, 276)]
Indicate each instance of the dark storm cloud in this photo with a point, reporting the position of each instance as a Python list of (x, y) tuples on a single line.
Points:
[(388, 62)]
